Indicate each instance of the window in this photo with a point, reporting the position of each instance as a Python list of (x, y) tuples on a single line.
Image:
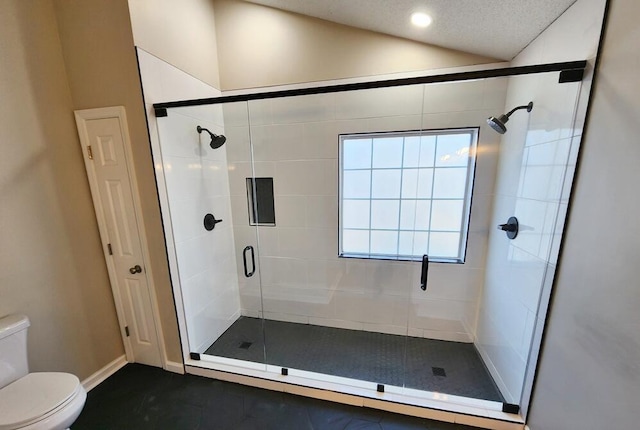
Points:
[(405, 194)]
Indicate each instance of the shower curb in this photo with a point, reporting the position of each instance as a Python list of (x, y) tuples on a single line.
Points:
[(458, 414)]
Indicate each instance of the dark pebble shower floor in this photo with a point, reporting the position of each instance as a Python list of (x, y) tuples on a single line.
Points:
[(425, 364)]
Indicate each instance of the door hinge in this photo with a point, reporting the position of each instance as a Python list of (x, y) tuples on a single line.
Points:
[(90, 152), (126, 330), (109, 248)]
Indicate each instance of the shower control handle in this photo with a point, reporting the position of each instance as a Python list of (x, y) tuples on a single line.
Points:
[(511, 227), (135, 269), (425, 272), (253, 261)]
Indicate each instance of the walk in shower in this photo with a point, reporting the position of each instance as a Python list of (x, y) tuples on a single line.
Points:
[(352, 238)]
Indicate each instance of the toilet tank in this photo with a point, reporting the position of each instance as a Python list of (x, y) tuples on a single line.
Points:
[(13, 348)]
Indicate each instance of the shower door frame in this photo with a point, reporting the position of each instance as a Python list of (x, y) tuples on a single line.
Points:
[(397, 399), (570, 71)]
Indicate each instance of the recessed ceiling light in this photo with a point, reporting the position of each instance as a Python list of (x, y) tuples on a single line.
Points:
[(420, 19)]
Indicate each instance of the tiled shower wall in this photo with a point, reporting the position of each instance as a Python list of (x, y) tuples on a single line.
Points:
[(192, 181), (537, 162), (295, 141)]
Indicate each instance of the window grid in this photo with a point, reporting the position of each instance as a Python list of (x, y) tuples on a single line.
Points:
[(470, 134)]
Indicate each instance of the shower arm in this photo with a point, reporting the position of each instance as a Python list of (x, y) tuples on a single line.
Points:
[(528, 107), (201, 129)]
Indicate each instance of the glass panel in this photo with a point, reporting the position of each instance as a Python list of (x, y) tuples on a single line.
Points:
[(411, 154), (417, 183), (309, 292), (427, 148), (355, 213), (419, 151), (385, 184), (385, 214), (453, 150), (450, 183), (387, 152), (444, 244), (218, 299), (357, 154), (423, 215), (408, 215), (420, 243), (356, 184), (384, 242), (356, 241), (410, 184), (405, 243), (425, 183), (442, 316), (447, 215)]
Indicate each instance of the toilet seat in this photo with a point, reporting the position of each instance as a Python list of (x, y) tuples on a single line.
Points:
[(36, 397)]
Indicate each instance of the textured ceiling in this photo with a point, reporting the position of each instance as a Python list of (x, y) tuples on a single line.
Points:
[(493, 28)]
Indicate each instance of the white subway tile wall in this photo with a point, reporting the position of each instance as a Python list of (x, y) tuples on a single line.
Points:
[(193, 180), (295, 141), (537, 162)]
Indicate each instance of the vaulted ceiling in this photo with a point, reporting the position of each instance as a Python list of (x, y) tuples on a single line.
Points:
[(493, 28)]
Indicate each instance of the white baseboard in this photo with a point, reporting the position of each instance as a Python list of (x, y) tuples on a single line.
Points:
[(174, 366), (97, 378)]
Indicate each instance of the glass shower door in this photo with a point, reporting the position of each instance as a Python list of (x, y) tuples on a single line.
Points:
[(364, 185), (328, 316), (206, 157)]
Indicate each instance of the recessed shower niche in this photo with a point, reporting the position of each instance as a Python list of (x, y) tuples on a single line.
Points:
[(260, 201)]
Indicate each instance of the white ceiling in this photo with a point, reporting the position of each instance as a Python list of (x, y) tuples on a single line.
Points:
[(493, 28)]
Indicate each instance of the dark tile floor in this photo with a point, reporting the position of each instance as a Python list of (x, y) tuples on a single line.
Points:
[(140, 397), (425, 364)]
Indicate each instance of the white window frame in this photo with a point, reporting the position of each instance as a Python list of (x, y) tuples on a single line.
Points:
[(474, 133)]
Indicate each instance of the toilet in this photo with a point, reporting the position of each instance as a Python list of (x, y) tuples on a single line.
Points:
[(33, 401)]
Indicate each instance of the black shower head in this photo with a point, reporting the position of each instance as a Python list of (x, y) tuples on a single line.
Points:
[(217, 140), (498, 124)]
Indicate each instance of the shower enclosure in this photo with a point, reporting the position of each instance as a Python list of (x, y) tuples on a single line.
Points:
[(345, 237)]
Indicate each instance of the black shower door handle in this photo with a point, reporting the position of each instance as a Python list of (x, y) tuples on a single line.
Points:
[(425, 272), (253, 262)]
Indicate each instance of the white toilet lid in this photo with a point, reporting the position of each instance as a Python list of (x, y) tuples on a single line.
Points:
[(34, 396)]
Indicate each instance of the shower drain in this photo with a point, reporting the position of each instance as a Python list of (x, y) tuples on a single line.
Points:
[(245, 345), (438, 371)]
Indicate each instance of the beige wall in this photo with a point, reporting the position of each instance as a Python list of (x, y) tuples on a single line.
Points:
[(259, 46), (589, 374), (181, 33), (51, 263), (101, 65)]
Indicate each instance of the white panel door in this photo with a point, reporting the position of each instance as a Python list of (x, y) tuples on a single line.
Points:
[(103, 143)]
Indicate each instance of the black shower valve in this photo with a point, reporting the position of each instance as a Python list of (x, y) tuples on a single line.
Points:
[(210, 222), (511, 227), (508, 227)]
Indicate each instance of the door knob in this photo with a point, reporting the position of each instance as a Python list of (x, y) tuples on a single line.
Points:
[(135, 269)]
